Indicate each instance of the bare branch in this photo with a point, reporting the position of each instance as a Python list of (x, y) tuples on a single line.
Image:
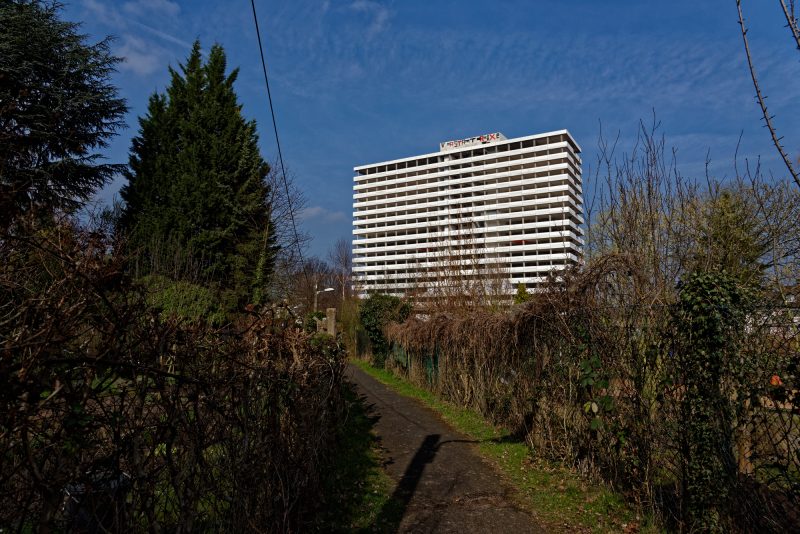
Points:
[(761, 99), (791, 21)]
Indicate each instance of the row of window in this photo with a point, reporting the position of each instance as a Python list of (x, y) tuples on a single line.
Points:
[(522, 237), (395, 279), (467, 207), (442, 217), (499, 185), (494, 227), (392, 235), (415, 263), (425, 291), (446, 173)]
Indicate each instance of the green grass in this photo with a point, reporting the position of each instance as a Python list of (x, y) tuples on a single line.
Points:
[(357, 490), (558, 497), (184, 299)]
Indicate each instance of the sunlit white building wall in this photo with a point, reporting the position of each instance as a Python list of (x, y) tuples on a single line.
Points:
[(515, 205)]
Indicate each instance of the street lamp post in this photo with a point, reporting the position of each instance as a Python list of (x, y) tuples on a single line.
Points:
[(317, 293)]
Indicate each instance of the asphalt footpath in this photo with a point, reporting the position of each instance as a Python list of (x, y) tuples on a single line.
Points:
[(443, 485)]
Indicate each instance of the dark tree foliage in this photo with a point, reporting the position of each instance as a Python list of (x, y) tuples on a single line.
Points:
[(117, 419), (196, 180), (376, 312), (57, 106)]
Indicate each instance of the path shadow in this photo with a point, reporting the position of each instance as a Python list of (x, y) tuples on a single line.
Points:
[(508, 438), (395, 508), (354, 460)]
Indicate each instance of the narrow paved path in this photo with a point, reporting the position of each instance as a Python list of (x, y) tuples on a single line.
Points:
[(442, 484)]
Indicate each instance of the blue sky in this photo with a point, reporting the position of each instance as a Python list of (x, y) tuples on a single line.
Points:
[(360, 81)]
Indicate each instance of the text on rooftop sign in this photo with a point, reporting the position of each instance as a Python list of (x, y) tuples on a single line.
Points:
[(469, 141)]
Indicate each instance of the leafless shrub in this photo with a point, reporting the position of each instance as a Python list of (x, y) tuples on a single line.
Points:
[(769, 119), (287, 202), (463, 273), (114, 418)]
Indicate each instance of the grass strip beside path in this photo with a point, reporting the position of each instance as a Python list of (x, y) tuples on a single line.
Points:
[(560, 498)]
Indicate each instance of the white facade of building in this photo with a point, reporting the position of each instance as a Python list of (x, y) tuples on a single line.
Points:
[(487, 204)]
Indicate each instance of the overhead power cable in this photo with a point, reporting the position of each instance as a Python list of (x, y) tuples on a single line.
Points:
[(277, 138)]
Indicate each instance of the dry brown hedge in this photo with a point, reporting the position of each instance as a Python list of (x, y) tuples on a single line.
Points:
[(113, 417), (587, 373)]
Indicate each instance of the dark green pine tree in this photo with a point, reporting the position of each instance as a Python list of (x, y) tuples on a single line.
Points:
[(196, 181), (57, 109), (146, 171)]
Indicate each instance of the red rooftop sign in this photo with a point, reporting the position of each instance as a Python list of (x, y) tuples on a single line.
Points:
[(469, 141)]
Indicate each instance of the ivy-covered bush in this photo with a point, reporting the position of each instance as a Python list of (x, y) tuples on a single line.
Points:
[(376, 313), (310, 321), (709, 319)]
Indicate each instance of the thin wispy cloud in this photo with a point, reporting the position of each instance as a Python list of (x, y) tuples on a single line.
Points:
[(141, 55), (152, 7), (378, 13), (355, 81), (322, 214), (102, 13), (518, 70), (163, 35)]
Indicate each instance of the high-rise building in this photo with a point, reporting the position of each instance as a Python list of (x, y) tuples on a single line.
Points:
[(478, 211)]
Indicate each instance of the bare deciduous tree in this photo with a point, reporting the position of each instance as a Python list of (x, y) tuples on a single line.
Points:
[(463, 272), (341, 258), (310, 277), (285, 208)]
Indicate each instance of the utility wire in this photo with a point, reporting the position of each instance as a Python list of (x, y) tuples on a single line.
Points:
[(277, 138)]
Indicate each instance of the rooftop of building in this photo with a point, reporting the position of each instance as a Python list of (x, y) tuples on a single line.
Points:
[(498, 140)]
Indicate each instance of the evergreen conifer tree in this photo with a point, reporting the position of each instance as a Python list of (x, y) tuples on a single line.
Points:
[(57, 107), (731, 238), (196, 181), (522, 295)]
